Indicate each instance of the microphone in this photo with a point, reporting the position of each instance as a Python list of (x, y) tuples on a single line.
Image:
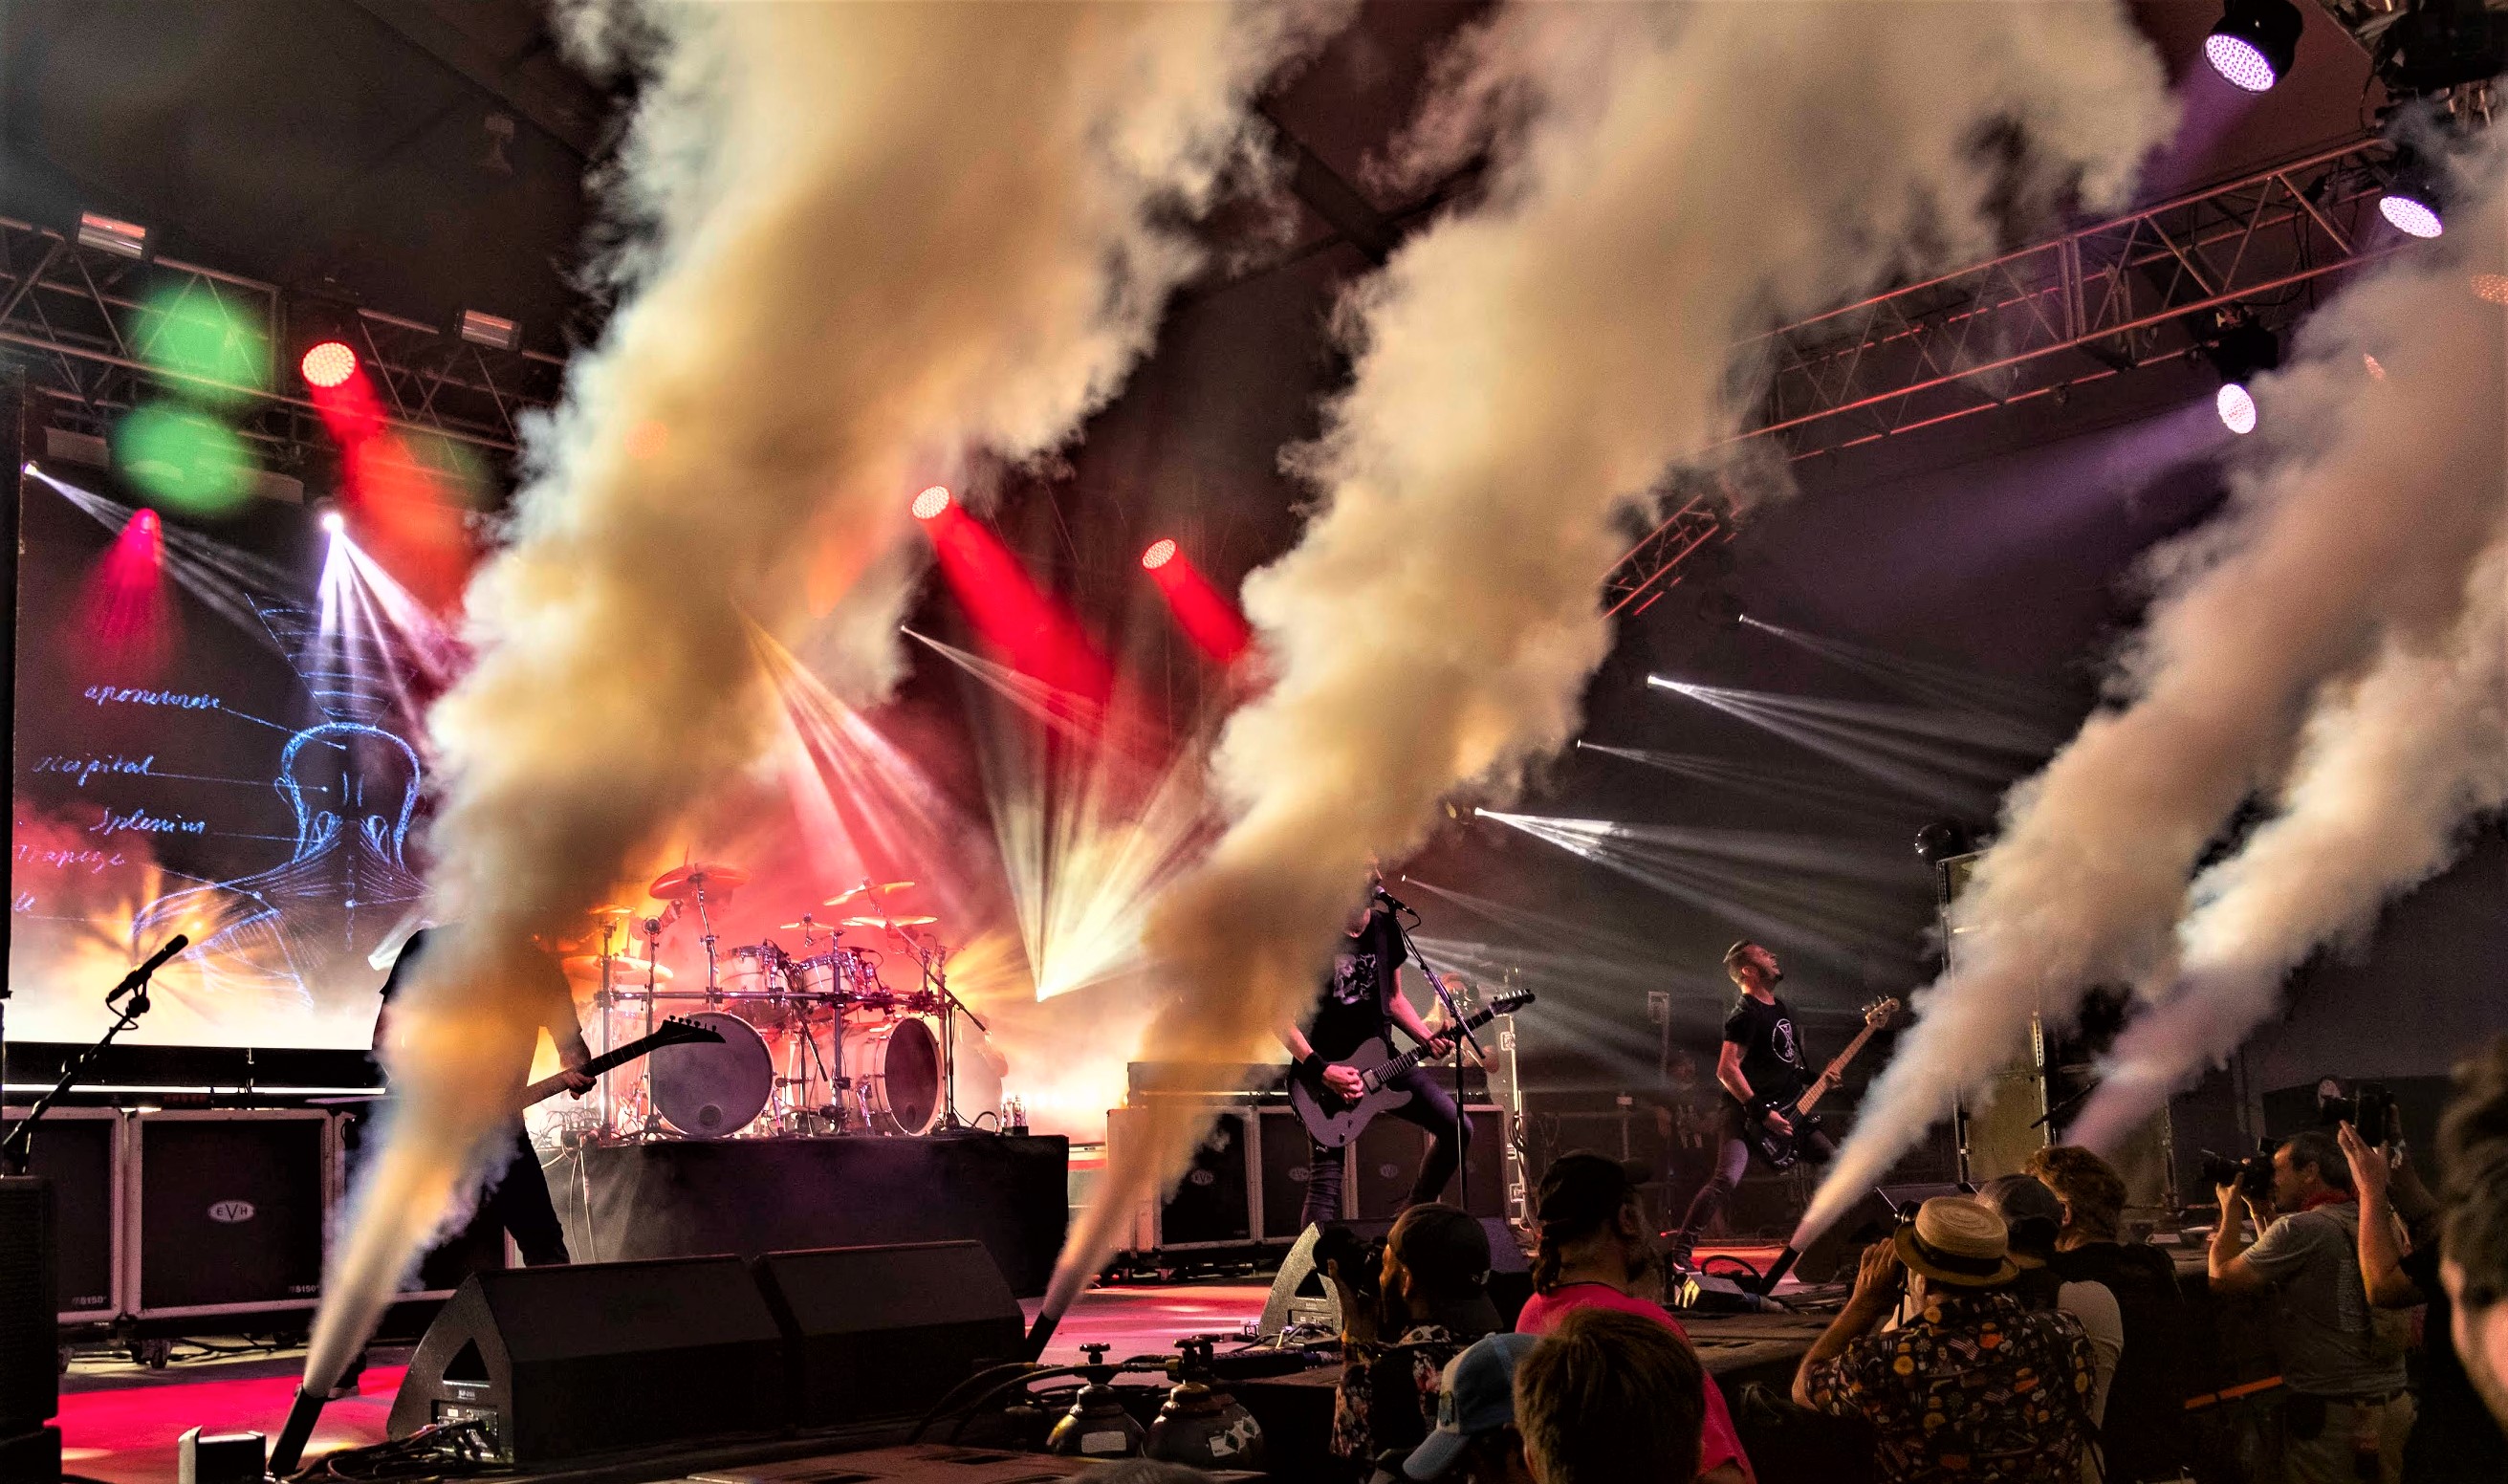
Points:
[(139, 976), (1390, 900)]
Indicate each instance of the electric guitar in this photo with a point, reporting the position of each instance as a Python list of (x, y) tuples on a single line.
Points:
[(673, 1032), (1781, 1150), (1334, 1120)]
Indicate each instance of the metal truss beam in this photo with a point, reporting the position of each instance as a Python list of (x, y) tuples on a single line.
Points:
[(2093, 303), (84, 321)]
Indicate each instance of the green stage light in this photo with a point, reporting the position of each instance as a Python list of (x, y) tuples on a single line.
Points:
[(184, 458)]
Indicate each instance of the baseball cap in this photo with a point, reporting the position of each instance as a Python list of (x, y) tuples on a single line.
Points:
[(1447, 1254), (1475, 1397)]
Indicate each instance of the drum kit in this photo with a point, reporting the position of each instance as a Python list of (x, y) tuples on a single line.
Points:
[(813, 1043)]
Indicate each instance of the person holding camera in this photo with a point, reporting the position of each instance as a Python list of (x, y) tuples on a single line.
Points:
[(1429, 1303), (2346, 1410)]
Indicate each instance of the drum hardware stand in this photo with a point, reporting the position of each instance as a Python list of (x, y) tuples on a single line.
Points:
[(652, 982), (713, 991)]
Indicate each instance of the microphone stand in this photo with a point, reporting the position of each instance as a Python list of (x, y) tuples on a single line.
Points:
[(16, 1148), (1463, 1037)]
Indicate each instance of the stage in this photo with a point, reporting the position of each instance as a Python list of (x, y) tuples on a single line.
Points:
[(118, 1421), (745, 1196)]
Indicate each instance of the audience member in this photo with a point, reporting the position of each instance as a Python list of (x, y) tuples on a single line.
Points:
[(1476, 1440), (1611, 1398), (2342, 1374), (2143, 1428), (1973, 1383), (2453, 1438), (1593, 1250), (2031, 1220), (2473, 1267), (1433, 1301)]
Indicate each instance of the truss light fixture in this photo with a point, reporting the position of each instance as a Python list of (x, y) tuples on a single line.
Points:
[(493, 331), (1161, 552), (2412, 204), (2242, 348), (931, 504), (328, 364), (107, 234), (2254, 42)]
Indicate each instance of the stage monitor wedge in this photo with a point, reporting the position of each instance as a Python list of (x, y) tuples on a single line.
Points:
[(880, 1332), (560, 1363)]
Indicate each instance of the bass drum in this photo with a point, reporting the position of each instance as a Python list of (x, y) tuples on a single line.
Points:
[(896, 1071), (710, 1090)]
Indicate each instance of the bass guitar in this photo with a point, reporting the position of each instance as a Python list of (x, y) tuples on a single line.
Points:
[(1782, 1149), (673, 1032), (1334, 1120)]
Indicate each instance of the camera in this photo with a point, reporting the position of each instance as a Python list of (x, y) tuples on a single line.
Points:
[(2370, 1109), (2252, 1175), (1362, 1262)]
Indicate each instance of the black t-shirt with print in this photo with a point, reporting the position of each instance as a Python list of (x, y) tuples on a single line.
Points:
[(1358, 989), (1772, 1059)]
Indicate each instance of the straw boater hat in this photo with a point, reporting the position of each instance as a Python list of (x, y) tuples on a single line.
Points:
[(1958, 1241)]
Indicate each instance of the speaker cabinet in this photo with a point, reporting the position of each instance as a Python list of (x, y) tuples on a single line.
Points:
[(29, 1382), (881, 1332), (80, 1150), (556, 1363), (1389, 1153), (1286, 1161), (1213, 1205), (225, 1211)]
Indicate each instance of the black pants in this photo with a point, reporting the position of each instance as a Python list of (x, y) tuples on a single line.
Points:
[(520, 1203), (1431, 1107), (1732, 1158)]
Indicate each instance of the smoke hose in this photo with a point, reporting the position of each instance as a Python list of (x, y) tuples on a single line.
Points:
[(1783, 1265), (289, 1451), (1041, 1334)]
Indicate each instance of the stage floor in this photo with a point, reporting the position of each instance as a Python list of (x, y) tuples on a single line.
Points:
[(118, 1421)]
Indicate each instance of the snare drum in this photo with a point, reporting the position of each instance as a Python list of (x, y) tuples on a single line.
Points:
[(895, 1070)]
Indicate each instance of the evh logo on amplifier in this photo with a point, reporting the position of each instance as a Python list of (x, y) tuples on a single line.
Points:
[(231, 1212)]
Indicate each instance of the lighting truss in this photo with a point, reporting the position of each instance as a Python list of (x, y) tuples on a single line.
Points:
[(82, 320), (2091, 303)]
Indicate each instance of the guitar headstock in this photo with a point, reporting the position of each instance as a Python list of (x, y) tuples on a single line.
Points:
[(1510, 1002), (679, 1031), (1881, 1011)]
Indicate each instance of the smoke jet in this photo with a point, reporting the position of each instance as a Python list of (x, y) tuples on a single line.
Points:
[(1663, 183), (864, 246), (2355, 517), (2391, 764)]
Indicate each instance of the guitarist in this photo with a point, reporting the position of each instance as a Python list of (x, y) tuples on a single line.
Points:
[(1362, 990), (1761, 1062), (518, 1199)]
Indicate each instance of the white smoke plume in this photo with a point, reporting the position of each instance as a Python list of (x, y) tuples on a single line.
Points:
[(2391, 764), (870, 244), (1663, 182), (2355, 513)]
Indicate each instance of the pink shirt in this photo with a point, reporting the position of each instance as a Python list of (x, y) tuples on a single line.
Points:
[(1718, 1442)]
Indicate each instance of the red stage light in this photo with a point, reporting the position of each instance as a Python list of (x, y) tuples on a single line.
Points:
[(929, 505), (1161, 551), (328, 364)]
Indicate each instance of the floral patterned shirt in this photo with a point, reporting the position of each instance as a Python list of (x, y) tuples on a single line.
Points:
[(1388, 1396), (1975, 1388)]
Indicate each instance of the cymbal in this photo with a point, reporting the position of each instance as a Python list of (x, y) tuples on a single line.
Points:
[(622, 969), (710, 876), (807, 924), (612, 910), (877, 888), (882, 922)]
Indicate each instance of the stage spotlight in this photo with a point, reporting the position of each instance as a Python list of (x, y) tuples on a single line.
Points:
[(930, 504), (2254, 42), (107, 234), (2412, 205), (2236, 408), (1161, 551), (1942, 840), (328, 363), (2242, 348)]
